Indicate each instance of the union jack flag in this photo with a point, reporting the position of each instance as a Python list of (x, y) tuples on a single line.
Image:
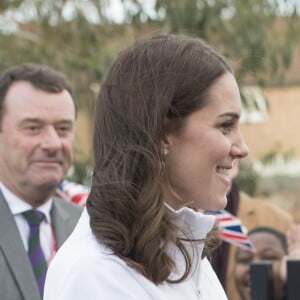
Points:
[(73, 192), (232, 230)]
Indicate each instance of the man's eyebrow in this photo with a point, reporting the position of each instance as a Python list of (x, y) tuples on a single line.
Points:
[(67, 121), (33, 120), (37, 120)]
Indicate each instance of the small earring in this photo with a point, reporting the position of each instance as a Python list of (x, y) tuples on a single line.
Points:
[(163, 159), (165, 152)]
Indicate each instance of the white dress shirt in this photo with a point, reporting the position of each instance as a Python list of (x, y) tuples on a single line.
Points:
[(17, 206)]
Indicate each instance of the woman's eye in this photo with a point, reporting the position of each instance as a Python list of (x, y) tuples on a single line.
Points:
[(227, 126)]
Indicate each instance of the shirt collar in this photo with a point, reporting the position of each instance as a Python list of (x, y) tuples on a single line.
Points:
[(18, 206), (189, 220)]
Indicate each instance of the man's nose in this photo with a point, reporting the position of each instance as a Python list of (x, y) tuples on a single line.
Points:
[(51, 140)]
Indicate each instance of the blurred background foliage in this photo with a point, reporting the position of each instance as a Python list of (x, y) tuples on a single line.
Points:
[(248, 178), (82, 37)]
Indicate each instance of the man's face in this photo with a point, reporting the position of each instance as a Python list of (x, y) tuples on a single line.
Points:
[(36, 140)]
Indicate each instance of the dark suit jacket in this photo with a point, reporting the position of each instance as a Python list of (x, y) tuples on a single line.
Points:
[(17, 281)]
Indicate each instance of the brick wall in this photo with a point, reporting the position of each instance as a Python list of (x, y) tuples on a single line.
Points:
[(282, 127)]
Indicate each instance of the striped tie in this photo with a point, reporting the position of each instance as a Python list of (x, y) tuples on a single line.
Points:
[(35, 252)]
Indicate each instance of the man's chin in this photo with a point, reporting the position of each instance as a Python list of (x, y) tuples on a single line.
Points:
[(48, 182)]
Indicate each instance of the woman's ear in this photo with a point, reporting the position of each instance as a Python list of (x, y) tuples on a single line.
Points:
[(165, 151), (167, 143), (167, 140), (165, 146)]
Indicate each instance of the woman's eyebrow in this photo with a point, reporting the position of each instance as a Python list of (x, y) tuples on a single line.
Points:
[(230, 114)]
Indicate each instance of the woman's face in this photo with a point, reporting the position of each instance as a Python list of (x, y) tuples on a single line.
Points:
[(202, 152), (268, 248)]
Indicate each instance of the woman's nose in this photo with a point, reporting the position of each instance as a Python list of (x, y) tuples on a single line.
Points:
[(239, 149)]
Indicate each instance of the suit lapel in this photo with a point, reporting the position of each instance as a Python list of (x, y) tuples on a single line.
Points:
[(13, 250), (60, 220)]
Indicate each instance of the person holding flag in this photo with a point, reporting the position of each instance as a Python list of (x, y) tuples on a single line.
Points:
[(251, 213)]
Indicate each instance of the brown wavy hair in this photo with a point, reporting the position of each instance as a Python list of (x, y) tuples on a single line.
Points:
[(157, 79)]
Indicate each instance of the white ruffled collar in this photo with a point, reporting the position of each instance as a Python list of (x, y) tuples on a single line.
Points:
[(190, 221), (191, 225)]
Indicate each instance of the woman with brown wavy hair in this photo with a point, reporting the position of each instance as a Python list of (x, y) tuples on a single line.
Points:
[(166, 132)]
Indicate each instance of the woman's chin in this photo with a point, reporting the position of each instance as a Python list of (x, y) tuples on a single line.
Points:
[(219, 204)]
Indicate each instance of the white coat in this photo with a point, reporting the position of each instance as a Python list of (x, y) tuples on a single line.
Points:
[(84, 269)]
